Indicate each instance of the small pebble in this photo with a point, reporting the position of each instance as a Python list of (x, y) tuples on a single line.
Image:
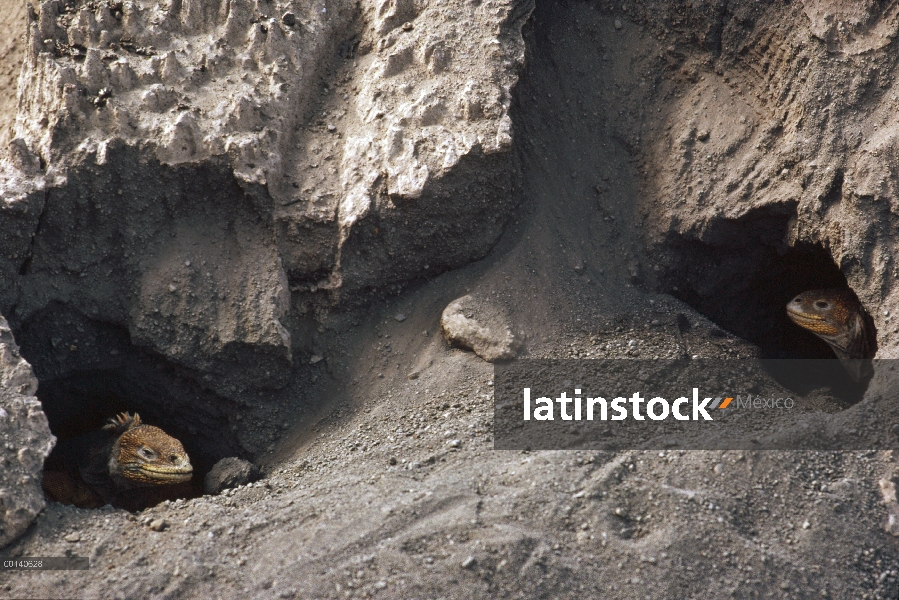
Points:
[(314, 359), (73, 537), (407, 26), (392, 460), (400, 317), (331, 127), (618, 24), (455, 443), (413, 375), (289, 19), (468, 562), (158, 524)]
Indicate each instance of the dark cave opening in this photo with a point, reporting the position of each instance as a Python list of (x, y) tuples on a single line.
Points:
[(89, 371), (747, 293), (745, 287)]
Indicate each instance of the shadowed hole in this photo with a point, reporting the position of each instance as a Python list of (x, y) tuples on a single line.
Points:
[(89, 371), (744, 287)]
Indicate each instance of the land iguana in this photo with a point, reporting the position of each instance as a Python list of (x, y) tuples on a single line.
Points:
[(116, 465), (837, 317)]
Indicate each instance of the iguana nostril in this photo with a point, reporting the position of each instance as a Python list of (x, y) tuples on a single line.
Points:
[(174, 459)]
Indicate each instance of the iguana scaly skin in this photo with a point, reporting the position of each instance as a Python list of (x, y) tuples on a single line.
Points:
[(837, 317), (99, 467)]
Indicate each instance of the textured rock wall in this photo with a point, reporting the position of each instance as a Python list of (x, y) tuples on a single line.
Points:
[(25, 441), (12, 46), (211, 175), (782, 137)]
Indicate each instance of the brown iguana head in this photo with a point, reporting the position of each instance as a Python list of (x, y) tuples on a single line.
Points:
[(145, 455), (837, 317)]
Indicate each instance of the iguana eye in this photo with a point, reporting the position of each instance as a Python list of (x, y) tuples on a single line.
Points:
[(823, 305), (146, 453)]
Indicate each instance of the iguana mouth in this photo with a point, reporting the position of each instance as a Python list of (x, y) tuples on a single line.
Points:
[(812, 322), (160, 475), (803, 315)]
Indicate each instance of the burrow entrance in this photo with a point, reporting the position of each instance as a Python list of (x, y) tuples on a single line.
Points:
[(88, 371), (744, 287), (747, 294)]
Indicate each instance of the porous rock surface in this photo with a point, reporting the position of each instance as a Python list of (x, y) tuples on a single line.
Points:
[(184, 170), (26, 441), (480, 327)]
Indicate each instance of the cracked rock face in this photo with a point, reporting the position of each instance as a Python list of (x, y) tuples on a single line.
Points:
[(25, 441), (211, 175)]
